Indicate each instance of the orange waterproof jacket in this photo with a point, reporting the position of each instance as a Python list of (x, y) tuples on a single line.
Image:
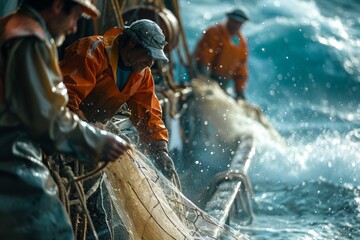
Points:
[(89, 69), (216, 50)]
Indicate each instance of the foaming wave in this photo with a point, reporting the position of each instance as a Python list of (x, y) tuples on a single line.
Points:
[(331, 155)]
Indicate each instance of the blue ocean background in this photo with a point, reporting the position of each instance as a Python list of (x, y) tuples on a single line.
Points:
[(304, 65)]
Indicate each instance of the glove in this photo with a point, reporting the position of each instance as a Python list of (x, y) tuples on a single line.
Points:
[(203, 70), (240, 95), (160, 154)]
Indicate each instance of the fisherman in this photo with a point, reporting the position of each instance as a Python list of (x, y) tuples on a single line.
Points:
[(102, 73), (221, 54), (34, 120)]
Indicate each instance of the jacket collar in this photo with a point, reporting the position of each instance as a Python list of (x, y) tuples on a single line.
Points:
[(112, 47)]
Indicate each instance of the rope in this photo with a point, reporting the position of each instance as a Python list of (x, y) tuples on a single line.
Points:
[(79, 227), (63, 196), (92, 173), (82, 225), (64, 191), (87, 195), (183, 39), (117, 12), (78, 217), (67, 171)]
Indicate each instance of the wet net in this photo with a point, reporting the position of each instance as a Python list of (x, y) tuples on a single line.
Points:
[(232, 119), (148, 206)]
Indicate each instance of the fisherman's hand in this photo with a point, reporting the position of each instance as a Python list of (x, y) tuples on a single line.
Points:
[(240, 95), (114, 147), (163, 161), (203, 70)]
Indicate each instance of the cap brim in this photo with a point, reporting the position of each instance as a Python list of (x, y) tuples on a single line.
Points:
[(157, 54), (238, 19)]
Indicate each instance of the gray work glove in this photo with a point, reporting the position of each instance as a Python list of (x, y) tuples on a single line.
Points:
[(240, 95), (159, 152), (203, 70)]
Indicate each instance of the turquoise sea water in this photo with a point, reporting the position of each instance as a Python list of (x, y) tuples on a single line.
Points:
[(304, 69)]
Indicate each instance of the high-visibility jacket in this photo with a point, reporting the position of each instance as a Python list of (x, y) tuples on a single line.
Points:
[(89, 69), (217, 51)]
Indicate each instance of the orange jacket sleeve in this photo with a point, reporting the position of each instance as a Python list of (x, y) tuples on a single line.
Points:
[(146, 113), (80, 72), (207, 47)]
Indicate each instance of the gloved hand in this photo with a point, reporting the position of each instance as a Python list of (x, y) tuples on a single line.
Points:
[(159, 152), (240, 95), (203, 70)]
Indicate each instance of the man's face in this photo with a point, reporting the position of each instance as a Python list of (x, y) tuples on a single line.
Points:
[(64, 24), (139, 59), (233, 26)]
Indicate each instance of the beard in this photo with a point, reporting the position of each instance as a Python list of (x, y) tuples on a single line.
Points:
[(139, 67)]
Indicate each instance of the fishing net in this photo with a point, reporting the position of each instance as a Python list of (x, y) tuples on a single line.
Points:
[(230, 119), (149, 206)]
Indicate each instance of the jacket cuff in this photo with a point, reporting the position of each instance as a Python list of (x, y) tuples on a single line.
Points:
[(158, 146)]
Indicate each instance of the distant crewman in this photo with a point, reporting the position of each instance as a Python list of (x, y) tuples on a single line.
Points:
[(222, 54)]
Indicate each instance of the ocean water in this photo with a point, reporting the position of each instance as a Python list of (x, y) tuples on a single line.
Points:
[(304, 65)]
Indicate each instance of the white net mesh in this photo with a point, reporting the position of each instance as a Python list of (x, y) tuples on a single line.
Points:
[(151, 207)]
